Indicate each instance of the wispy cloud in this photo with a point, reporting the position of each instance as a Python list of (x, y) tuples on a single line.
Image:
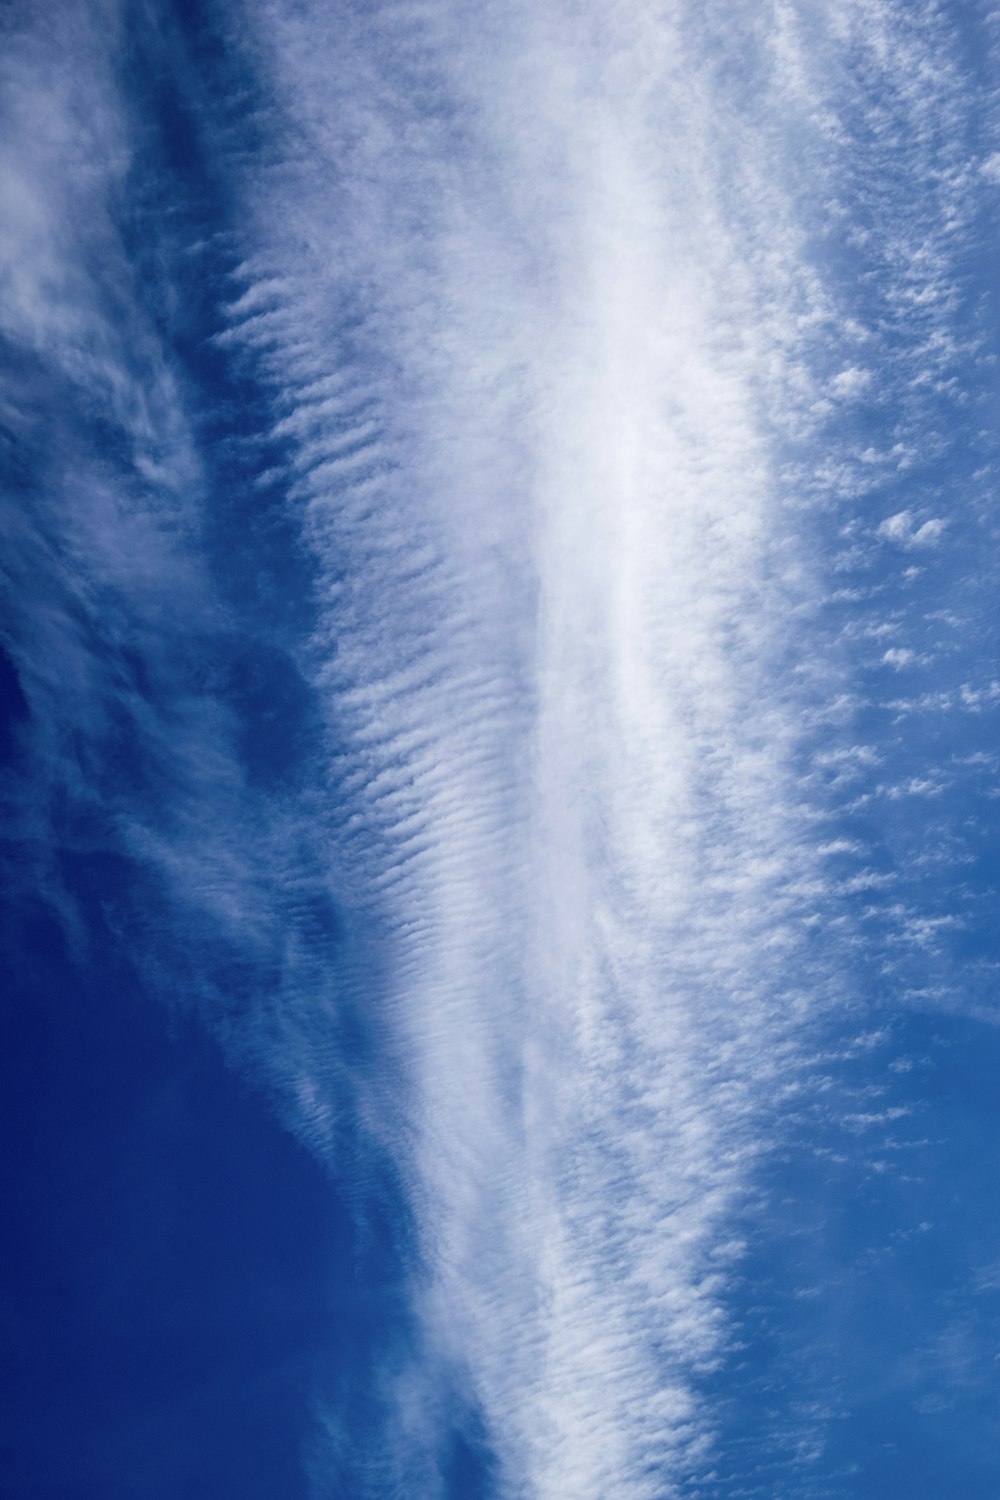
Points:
[(579, 342), (578, 806), (904, 529)]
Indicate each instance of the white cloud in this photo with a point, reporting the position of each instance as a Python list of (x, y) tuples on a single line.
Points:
[(851, 383), (571, 746), (533, 293), (903, 529), (990, 168), (840, 846)]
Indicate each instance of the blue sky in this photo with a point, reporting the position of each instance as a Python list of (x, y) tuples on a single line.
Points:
[(499, 710)]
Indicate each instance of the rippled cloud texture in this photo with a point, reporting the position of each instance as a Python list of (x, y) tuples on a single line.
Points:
[(500, 567)]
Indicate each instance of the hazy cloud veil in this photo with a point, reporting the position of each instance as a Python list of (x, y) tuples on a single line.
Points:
[(518, 479)]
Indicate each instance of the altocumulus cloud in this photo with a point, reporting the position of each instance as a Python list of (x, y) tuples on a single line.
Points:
[(542, 411)]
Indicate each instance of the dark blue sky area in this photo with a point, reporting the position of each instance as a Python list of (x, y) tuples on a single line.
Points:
[(171, 1257)]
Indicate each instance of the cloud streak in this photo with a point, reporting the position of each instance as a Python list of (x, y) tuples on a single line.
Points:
[(574, 727), (584, 360)]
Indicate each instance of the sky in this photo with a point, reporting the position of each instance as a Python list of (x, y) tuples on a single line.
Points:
[(499, 699)]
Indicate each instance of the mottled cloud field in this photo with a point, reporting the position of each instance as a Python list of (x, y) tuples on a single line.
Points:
[(517, 480)]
